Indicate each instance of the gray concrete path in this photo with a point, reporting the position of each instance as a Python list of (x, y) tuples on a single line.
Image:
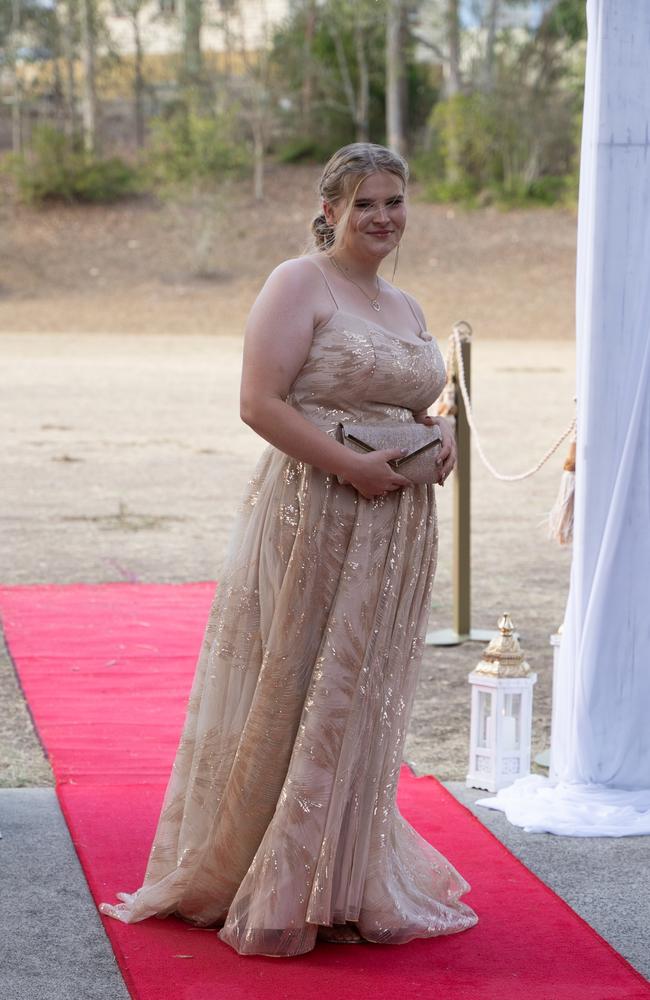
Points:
[(52, 943)]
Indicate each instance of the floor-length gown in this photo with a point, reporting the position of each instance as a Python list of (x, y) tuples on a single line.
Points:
[(280, 812)]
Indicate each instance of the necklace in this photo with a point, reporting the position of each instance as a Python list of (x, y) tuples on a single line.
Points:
[(374, 302)]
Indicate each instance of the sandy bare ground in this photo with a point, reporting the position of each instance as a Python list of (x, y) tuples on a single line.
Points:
[(194, 265), (125, 459)]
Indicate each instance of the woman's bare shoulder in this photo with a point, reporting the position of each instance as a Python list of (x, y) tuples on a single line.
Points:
[(297, 284), (293, 298), (296, 272)]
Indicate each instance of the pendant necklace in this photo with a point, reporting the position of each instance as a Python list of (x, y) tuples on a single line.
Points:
[(374, 302)]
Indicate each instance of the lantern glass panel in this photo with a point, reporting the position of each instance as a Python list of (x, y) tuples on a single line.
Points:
[(484, 720), (511, 721)]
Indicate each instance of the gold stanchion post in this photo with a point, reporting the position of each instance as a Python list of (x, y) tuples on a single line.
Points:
[(462, 579), (461, 630)]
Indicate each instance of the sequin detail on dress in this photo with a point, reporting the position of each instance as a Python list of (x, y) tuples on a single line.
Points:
[(280, 812)]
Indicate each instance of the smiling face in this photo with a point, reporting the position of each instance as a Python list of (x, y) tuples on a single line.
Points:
[(374, 222)]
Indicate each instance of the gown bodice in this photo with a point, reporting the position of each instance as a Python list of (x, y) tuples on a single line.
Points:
[(356, 369)]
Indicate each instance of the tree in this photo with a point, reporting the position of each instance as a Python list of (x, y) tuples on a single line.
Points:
[(65, 13), (28, 33), (133, 10), (395, 76), (353, 66), (490, 24), (17, 98), (346, 71), (307, 89), (251, 90), (453, 86), (192, 70), (89, 82)]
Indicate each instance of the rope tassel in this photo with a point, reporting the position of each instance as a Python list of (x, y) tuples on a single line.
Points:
[(455, 358), (560, 518)]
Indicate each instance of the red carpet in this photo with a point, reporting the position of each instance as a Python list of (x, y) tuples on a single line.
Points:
[(106, 670)]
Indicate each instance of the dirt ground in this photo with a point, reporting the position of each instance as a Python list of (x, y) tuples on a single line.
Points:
[(193, 265), (125, 457)]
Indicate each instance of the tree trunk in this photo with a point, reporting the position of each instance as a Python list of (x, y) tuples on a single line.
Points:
[(344, 69), (67, 38), (192, 55), (89, 94), (363, 92), (58, 88), (395, 77), (490, 39), (138, 79), (306, 93), (17, 96), (453, 86), (453, 83), (228, 44)]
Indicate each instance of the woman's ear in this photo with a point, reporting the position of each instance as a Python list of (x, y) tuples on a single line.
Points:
[(328, 212)]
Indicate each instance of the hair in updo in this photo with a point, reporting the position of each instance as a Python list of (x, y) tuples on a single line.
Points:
[(342, 175)]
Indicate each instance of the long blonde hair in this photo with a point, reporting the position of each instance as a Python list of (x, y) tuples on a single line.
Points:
[(342, 176)]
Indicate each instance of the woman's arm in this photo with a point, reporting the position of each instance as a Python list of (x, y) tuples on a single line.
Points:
[(447, 457), (276, 344)]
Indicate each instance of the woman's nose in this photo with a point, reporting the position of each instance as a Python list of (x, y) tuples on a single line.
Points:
[(381, 213)]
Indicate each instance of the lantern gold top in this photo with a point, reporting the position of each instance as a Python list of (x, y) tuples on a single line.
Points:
[(503, 656)]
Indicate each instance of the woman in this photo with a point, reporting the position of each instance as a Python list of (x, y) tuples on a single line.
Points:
[(279, 822)]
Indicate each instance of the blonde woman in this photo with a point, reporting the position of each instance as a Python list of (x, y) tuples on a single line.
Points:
[(279, 822)]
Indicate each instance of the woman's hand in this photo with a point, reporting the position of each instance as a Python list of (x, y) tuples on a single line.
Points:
[(373, 476), (447, 458)]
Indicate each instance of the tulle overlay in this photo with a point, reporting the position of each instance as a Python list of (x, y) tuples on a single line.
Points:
[(280, 812)]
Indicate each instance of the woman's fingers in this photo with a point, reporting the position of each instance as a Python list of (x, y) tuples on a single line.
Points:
[(446, 471)]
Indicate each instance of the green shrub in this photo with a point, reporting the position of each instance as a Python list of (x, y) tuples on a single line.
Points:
[(427, 165), (301, 149), (185, 146), (501, 147), (56, 168), (548, 190), (452, 191), (465, 133)]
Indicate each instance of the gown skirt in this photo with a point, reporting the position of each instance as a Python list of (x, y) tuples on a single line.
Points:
[(280, 814)]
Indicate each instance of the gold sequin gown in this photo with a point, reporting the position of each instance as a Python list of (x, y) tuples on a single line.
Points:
[(280, 812)]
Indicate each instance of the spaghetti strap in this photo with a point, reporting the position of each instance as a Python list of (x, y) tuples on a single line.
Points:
[(409, 304), (329, 287)]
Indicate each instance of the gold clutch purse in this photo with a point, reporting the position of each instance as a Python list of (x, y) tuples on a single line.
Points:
[(423, 445)]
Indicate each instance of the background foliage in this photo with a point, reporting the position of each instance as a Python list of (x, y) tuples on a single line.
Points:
[(488, 93)]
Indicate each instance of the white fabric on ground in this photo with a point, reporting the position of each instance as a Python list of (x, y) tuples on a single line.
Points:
[(574, 810), (600, 746)]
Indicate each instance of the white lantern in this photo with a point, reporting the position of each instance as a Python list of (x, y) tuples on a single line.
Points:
[(502, 713)]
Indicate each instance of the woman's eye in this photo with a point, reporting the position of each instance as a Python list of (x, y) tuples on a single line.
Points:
[(370, 204)]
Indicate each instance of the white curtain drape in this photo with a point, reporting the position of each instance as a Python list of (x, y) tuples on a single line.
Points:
[(600, 747)]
